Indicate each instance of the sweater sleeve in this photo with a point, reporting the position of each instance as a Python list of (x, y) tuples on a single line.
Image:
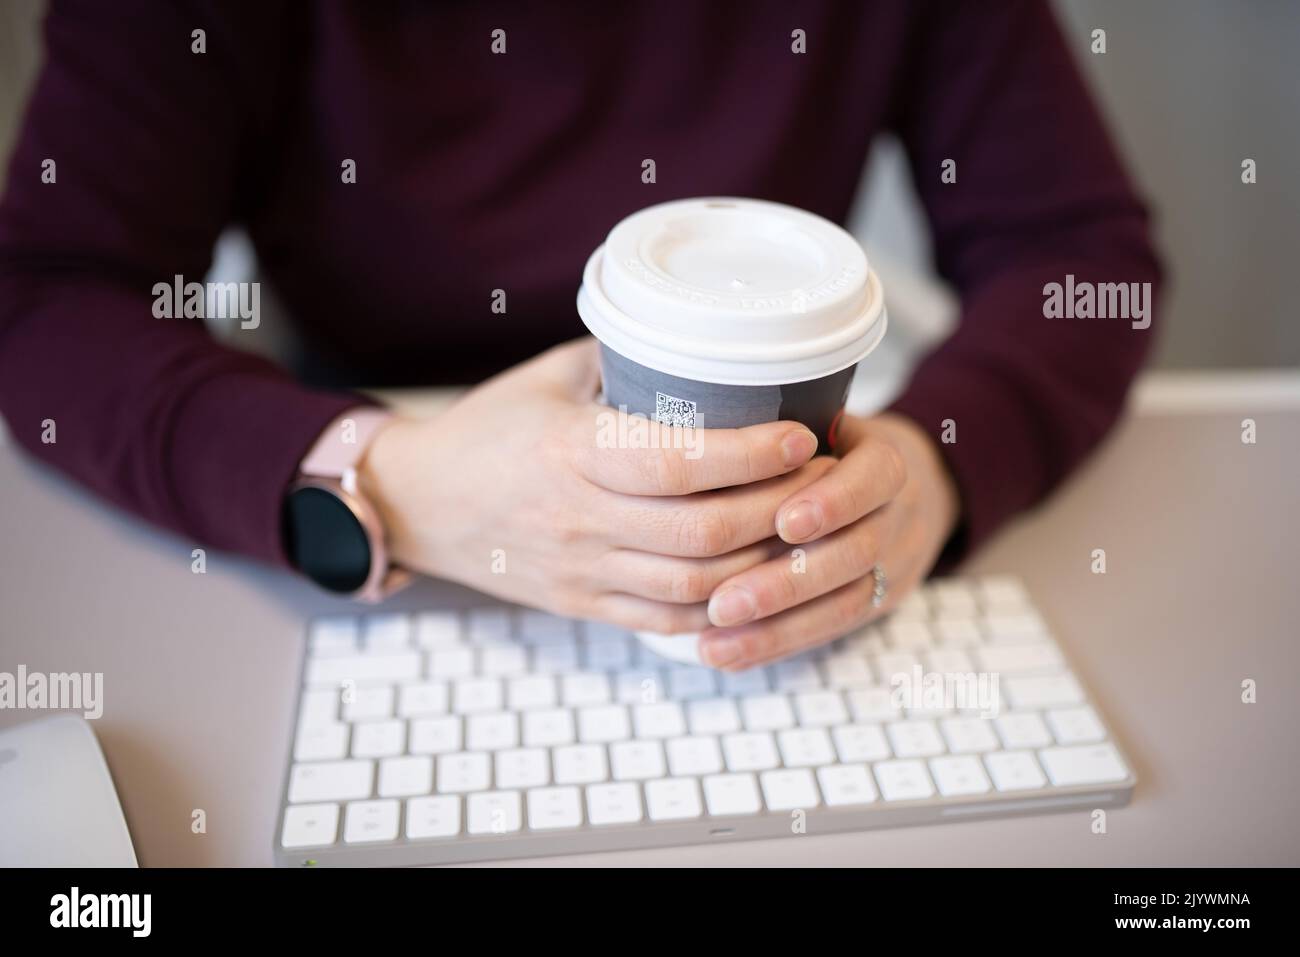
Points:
[(1023, 188), (129, 162)]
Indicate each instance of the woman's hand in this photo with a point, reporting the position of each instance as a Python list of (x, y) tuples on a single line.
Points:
[(527, 489), (888, 501)]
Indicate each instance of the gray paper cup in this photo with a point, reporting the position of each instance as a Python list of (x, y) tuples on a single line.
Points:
[(723, 313)]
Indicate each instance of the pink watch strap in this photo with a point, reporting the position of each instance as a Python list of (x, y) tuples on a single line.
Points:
[(342, 445)]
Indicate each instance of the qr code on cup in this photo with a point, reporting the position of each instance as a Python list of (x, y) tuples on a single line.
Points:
[(678, 413)]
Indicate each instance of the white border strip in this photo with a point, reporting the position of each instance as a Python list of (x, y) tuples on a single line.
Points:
[(1190, 393)]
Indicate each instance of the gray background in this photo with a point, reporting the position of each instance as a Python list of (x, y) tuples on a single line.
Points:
[(1191, 87)]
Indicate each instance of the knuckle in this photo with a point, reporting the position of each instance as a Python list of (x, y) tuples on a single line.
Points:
[(687, 584), (781, 591), (863, 547), (893, 467), (702, 531), (667, 472)]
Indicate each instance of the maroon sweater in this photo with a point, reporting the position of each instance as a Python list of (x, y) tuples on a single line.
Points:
[(477, 171)]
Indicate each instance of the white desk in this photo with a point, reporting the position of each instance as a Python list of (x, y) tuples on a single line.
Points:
[(1200, 536)]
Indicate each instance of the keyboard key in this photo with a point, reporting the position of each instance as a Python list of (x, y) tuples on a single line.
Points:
[(1014, 629), (959, 774), (755, 751), (846, 784), (542, 628), (322, 742), (637, 760), (897, 666), (1043, 691), (953, 599), (713, 716), (969, 735), (1014, 771), (579, 764), (640, 686), (389, 632), (868, 641), (491, 732), (908, 635), (556, 658), (690, 682), (429, 817), (847, 669), (556, 808), (451, 663), (672, 799), (438, 629), (435, 735), (767, 712), (1076, 725), (1021, 659), (957, 633), (489, 625), (727, 794), (310, 825), (914, 739), (363, 669), (870, 705), (378, 739), (548, 727), (332, 637), (405, 776), (613, 804), (913, 606), (664, 720), (949, 661), (319, 706), (503, 660), (475, 695), (796, 674), (609, 654), (819, 709), (1022, 729), (602, 723), (584, 688), (494, 812), (423, 698), (805, 747), (462, 771), (748, 682), (903, 780), (330, 781), (370, 821), (790, 789), (694, 756), (532, 691), (860, 742), (1086, 764), (522, 768), (368, 703), (1002, 593)]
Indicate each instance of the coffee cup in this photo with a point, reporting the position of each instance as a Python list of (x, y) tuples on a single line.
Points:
[(722, 313)]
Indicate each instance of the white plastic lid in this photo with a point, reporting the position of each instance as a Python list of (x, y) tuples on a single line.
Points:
[(733, 291)]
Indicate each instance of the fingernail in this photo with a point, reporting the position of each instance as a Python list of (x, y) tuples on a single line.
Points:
[(800, 521), (721, 652), (731, 606), (798, 447)]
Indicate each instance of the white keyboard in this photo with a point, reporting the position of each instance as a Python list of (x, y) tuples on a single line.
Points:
[(501, 732)]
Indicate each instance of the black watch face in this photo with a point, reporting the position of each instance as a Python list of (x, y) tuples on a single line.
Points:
[(325, 541)]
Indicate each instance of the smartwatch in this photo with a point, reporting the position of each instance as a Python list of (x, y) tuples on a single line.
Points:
[(332, 533)]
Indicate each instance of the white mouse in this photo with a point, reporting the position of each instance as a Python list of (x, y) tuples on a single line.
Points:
[(58, 807)]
